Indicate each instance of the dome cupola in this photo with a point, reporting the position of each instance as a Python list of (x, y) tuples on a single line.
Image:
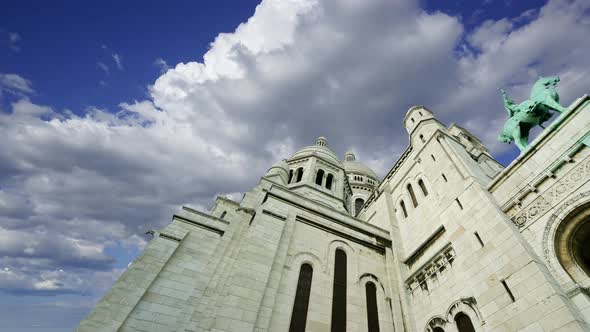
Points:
[(362, 180), (279, 172), (319, 149)]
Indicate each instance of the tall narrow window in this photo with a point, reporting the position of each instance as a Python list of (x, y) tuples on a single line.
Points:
[(412, 196), (459, 203), (403, 206), (339, 292), (222, 215), (423, 187), (329, 181), (319, 177), (290, 176), (422, 138), (444, 177), (507, 289), (479, 239), (299, 315), (464, 323), (358, 204), (372, 312), (432, 156), (299, 174)]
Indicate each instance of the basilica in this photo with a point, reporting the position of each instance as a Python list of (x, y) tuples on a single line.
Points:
[(448, 240)]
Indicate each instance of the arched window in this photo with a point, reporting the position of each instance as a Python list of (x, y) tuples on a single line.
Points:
[(403, 206), (423, 187), (358, 204), (222, 215), (299, 315), (372, 312), (319, 177), (422, 138), (412, 196), (299, 174), (329, 181), (290, 176), (464, 323), (339, 292)]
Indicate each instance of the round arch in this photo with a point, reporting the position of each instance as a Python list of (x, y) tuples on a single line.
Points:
[(295, 261), (467, 307), (566, 242), (352, 265), (436, 324)]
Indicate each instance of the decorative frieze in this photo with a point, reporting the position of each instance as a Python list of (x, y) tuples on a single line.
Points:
[(433, 269), (557, 192)]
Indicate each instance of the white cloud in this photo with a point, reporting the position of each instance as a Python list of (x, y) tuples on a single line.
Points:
[(162, 64), (15, 84), (103, 67), (118, 60), (13, 41)]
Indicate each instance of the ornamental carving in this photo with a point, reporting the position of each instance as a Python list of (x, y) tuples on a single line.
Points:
[(543, 203), (553, 264)]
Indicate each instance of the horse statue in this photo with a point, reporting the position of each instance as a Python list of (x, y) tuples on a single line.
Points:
[(526, 115)]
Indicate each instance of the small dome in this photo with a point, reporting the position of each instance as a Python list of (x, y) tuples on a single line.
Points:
[(282, 164), (351, 165), (320, 149), (349, 156)]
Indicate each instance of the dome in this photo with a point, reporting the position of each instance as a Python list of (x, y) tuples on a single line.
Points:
[(320, 149), (351, 165), (282, 164)]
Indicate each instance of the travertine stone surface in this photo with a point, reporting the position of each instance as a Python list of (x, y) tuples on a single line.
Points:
[(475, 239)]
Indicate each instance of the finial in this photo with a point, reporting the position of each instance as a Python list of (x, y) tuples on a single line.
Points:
[(321, 141)]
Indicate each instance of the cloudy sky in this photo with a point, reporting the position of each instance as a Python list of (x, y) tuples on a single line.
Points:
[(112, 117)]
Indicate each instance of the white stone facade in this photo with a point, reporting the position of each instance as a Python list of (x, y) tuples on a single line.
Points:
[(449, 240)]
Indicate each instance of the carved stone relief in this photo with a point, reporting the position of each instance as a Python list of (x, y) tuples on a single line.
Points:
[(559, 190)]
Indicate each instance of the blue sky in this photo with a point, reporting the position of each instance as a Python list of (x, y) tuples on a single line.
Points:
[(113, 115)]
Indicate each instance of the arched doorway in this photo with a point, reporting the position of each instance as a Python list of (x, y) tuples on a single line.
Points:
[(572, 244)]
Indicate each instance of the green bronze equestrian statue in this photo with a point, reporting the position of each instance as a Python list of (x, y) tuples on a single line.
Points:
[(526, 115)]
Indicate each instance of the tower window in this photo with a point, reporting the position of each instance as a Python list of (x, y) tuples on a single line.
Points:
[(222, 215), (464, 323), (422, 138), (319, 177), (459, 203), (444, 177), (299, 314), (412, 120), (432, 156), (412, 196), (339, 292), (403, 206), (479, 239), (358, 204), (290, 176), (299, 174), (422, 187), (372, 312), (329, 181), (507, 289)]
